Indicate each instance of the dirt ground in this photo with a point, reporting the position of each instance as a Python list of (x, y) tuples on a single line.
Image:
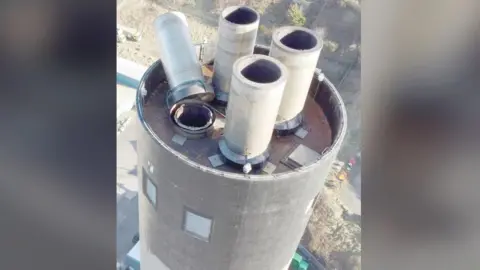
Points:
[(140, 16), (332, 234), (340, 26)]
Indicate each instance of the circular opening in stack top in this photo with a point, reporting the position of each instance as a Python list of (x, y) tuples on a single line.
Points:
[(240, 15), (192, 116), (298, 39), (261, 71)]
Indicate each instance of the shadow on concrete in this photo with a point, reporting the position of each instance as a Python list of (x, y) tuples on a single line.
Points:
[(134, 144), (133, 171)]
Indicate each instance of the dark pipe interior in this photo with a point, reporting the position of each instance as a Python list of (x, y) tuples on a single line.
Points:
[(299, 40), (193, 115), (262, 71), (242, 15)]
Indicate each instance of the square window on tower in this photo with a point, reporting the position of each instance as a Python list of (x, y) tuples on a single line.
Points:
[(197, 225), (149, 188)]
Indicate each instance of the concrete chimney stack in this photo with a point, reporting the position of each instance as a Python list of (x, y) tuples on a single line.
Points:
[(298, 48), (216, 189), (237, 32), (256, 90)]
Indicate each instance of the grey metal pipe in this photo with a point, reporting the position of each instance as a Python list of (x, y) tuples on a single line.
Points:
[(237, 33), (298, 48), (179, 59), (256, 91)]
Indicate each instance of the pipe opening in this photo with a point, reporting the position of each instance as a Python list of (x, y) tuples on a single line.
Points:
[(240, 15), (193, 116), (299, 40), (262, 71)]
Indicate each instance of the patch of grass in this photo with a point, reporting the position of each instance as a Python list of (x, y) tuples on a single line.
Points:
[(296, 16), (330, 45)]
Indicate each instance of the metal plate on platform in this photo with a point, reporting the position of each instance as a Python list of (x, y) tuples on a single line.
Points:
[(301, 133), (269, 168), (179, 139), (216, 160), (303, 156)]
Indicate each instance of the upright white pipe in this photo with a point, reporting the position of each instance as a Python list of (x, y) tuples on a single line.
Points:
[(256, 91), (298, 48), (237, 33), (179, 59)]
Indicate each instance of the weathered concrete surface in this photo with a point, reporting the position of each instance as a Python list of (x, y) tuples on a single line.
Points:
[(249, 213)]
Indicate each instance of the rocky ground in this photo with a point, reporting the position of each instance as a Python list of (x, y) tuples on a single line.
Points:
[(333, 232)]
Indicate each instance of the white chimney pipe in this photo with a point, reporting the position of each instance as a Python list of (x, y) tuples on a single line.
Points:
[(237, 33), (298, 48), (256, 91)]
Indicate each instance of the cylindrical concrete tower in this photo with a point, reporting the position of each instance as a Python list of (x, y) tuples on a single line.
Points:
[(198, 212), (237, 32), (299, 49)]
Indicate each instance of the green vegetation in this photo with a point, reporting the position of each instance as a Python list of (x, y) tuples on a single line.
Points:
[(330, 45), (296, 16)]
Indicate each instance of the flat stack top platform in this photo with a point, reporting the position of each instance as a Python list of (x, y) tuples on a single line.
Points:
[(286, 153)]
